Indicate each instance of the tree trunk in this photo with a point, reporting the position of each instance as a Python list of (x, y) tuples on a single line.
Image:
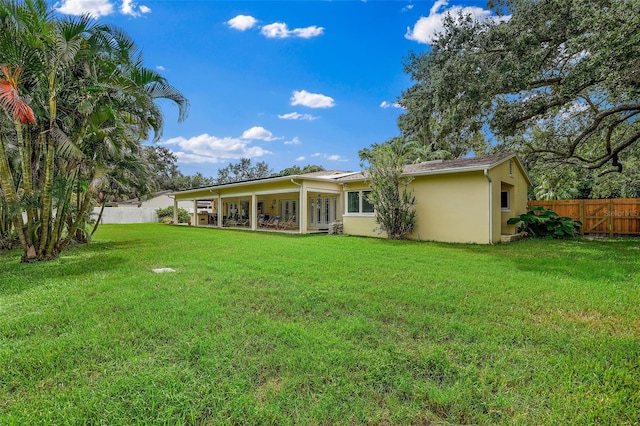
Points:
[(49, 159), (24, 147), (11, 198), (81, 212), (95, 226)]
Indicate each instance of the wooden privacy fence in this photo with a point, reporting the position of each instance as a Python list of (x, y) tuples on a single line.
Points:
[(615, 216)]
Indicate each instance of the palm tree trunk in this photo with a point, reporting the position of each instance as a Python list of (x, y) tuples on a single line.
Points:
[(47, 200), (95, 226), (61, 216), (11, 198), (48, 171), (86, 202), (24, 147)]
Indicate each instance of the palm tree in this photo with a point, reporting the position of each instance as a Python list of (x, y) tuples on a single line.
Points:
[(78, 103)]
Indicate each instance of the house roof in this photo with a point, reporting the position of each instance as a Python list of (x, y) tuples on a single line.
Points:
[(332, 175), (424, 168), (457, 165)]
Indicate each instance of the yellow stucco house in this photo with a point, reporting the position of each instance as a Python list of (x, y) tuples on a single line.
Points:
[(466, 200)]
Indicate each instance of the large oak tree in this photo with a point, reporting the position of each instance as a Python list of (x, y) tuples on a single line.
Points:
[(558, 80)]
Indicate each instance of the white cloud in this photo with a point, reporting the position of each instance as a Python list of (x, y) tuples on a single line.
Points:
[(242, 22), (386, 104), (98, 8), (128, 7), (281, 30), (160, 68), (308, 32), (95, 8), (300, 158), (334, 157), (297, 116), (407, 8), (311, 100), (275, 30), (294, 141), (426, 28), (260, 133), (330, 157), (211, 149)]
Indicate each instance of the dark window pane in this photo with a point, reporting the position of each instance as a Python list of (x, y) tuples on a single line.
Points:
[(353, 202), (504, 199)]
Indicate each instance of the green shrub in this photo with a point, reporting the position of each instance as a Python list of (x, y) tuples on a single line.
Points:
[(543, 223), (165, 215)]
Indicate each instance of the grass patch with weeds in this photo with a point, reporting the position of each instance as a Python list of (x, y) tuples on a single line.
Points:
[(257, 328)]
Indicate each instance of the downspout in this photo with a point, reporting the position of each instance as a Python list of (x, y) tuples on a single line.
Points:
[(301, 217), (486, 174)]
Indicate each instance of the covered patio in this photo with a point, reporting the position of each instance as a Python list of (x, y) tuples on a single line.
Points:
[(302, 204)]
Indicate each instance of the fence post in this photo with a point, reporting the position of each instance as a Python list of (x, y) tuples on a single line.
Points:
[(581, 216), (610, 218)]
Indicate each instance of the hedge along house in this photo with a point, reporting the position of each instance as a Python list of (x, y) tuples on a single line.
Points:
[(466, 200)]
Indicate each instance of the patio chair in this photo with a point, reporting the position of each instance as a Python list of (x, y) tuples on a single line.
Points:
[(274, 223), (289, 223), (268, 220)]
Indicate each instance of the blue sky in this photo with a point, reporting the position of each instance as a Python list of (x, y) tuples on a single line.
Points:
[(289, 82)]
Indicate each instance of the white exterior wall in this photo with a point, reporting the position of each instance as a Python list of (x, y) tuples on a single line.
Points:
[(126, 215), (146, 213)]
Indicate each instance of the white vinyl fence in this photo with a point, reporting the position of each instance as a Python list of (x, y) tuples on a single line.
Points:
[(126, 215)]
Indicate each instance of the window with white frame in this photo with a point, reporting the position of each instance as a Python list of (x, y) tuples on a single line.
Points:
[(358, 202), (505, 199)]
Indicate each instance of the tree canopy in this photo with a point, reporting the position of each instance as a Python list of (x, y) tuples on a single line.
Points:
[(243, 170), (558, 80), (297, 170)]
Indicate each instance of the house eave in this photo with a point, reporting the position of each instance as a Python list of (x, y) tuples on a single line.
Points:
[(474, 168), (215, 188)]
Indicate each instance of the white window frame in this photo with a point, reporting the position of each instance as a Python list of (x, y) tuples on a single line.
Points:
[(360, 199)]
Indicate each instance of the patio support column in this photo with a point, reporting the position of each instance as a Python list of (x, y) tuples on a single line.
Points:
[(194, 222), (175, 211), (254, 211), (302, 210), (220, 211)]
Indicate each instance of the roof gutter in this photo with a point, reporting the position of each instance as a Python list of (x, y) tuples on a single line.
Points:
[(486, 174), (482, 168), (451, 170)]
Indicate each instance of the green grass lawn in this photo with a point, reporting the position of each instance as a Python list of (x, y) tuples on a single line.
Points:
[(261, 328)]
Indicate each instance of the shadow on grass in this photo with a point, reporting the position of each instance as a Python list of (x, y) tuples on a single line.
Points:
[(584, 259), (78, 261)]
